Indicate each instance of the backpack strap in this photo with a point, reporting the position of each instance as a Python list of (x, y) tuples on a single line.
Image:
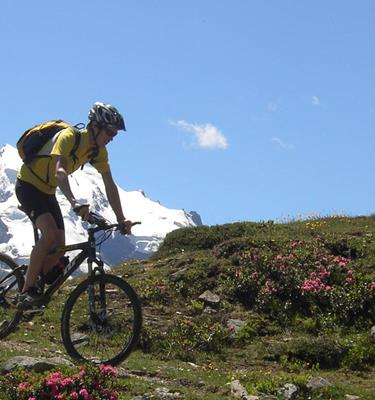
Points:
[(77, 137)]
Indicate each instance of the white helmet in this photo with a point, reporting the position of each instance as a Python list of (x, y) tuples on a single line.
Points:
[(105, 114)]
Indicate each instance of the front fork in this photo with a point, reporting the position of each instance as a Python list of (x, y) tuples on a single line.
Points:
[(98, 312)]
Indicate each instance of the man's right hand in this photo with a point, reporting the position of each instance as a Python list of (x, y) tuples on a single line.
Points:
[(82, 210)]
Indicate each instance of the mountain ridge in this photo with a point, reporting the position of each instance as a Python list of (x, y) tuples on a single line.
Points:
[(16, 230)]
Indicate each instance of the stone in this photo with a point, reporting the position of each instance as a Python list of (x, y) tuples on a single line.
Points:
[(239, 392), (235, 325), (209, 310), (209, 297), (317, 383), (372, 332), (351, 397), (289, 391), (34, 364), (165, 394)]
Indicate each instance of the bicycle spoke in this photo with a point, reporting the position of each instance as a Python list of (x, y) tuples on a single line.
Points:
[(11, 282), (101, 321)]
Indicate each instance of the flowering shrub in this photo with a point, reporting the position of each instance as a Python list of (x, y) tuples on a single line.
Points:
[(303, 277), (90, 383)]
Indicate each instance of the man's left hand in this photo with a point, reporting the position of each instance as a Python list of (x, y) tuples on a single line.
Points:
[(125, 227)]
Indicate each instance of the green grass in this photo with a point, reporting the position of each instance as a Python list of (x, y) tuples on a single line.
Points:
[(288, 337)]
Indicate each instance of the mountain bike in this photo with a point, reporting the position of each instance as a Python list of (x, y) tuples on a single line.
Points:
[(102, 317)]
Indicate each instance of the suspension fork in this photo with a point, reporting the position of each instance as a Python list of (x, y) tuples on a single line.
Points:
[(91, 289)]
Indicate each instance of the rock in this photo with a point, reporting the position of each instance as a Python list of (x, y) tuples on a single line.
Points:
[(176, 276), (289, 391), (372, 332), (209, 297), (164, 394), (144, 397), (235, 325), (34, 364), (351, 397), (209, 310), (317, 383), (239, 392)]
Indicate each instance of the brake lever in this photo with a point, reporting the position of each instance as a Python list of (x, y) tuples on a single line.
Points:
[(95, 219)]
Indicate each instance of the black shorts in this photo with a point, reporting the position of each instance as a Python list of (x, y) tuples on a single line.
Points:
[(36, 203)]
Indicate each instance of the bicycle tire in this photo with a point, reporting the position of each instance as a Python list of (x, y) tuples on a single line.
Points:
[(9, 289), (117, 332)]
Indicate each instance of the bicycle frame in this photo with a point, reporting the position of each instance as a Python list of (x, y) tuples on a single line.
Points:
[(88, 251)]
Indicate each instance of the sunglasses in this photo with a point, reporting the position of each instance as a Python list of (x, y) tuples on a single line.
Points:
[(111, 132)]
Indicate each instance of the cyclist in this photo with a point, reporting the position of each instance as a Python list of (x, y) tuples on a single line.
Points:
[(38, 180)]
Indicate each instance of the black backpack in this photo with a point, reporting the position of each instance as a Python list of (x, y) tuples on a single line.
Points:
[(32, 140)]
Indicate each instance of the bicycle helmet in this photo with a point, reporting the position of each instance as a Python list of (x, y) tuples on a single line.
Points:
[(105, 114)]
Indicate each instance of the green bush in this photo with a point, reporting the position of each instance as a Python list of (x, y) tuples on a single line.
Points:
[(361, 354)]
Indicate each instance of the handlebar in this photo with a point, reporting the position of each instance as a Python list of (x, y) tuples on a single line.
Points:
[(102, 223)]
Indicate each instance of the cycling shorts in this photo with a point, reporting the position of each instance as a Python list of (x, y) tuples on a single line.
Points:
[(36, 203)]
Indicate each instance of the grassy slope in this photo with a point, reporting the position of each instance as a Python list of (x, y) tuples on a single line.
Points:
[(192, 352)]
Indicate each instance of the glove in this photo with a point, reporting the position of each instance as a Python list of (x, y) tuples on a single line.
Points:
[(125, 227)]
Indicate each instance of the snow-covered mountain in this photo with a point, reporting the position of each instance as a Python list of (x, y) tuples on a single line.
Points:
[(16, 234)]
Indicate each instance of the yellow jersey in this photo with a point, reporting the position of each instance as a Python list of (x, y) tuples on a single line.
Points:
[(41, 172)]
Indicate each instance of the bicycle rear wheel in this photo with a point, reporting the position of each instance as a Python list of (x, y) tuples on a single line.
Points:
[(11, 283), (101, 320)]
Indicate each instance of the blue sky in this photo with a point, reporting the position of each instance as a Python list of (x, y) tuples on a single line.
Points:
[(242, 110)]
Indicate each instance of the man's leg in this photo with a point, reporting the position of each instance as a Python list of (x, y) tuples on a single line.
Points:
[(50, 237), (53, 259)]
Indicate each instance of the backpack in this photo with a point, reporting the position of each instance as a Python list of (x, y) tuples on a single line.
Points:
[(32, 140)]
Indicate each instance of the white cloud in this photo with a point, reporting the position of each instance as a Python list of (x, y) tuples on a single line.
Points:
[(272, 107), (315, 101), (281, 143), (206, 136)]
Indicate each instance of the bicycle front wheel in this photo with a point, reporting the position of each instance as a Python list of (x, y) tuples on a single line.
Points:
[(11, 283), (101, 320)]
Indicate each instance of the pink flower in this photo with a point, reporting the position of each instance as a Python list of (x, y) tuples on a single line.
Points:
[(32, 398), (73, 395), (24, 385), (372, 286), (67, 382), (341, 261), (56, 375), (314, 285), (85, 394)]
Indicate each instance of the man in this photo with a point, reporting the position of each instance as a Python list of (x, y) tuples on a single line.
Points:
[(38, 180)]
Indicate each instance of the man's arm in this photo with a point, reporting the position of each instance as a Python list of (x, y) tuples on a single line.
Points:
[(113, 196), (63, 184), (63, 181)]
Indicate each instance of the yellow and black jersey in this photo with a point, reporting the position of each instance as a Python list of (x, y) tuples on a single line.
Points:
[(41, 171)]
